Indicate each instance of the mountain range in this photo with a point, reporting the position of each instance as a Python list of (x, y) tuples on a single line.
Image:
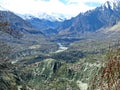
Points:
[(101, 17), (85, 25), (53, 54), (79, 27)]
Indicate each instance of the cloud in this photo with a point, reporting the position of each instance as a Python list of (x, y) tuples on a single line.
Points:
[(69, 8)]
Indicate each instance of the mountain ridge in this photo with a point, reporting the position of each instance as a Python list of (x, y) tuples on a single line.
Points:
[(93, 20)]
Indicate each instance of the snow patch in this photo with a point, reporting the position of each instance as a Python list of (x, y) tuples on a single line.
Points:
[(3, 9)]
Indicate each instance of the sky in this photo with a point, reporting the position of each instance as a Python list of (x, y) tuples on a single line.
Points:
[(68, 8)]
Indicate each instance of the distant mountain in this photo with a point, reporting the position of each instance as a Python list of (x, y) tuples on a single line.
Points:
[(50, 17), (92, 20), (49, 27), (45, 26)]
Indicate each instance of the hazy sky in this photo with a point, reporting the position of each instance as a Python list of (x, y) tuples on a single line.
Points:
[(68, 8)]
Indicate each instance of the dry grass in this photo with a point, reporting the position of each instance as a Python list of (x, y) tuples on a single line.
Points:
[(109, 75)]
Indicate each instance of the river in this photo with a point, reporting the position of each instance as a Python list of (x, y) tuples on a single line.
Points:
[(61, 48)]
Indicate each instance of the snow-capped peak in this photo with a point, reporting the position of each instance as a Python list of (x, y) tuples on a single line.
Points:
[(3, 9), (25, 16), (50, 17)]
